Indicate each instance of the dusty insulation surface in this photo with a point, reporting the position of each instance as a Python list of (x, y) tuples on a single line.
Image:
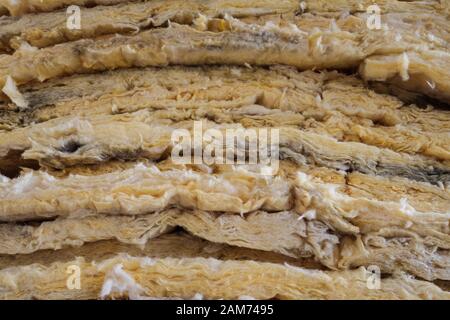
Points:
[(90, 175)]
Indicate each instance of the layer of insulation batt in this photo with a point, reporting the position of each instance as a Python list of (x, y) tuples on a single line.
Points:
[(88, 179)]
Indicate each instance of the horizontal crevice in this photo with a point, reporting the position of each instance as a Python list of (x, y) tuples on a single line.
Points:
[(13, 164)]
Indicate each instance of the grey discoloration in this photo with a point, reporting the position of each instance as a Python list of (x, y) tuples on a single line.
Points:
[(430, 175)]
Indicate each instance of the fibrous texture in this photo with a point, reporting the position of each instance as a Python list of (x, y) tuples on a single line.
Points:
[(90, 177), (400, 51), (187, 277)]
